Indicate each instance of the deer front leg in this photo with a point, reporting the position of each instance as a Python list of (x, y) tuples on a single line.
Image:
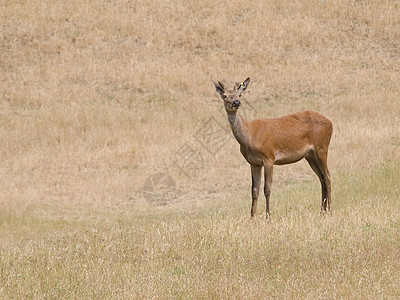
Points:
[(268, 174), (255, 187)]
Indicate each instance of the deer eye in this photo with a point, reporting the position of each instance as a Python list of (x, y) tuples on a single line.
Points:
[(224, 97)]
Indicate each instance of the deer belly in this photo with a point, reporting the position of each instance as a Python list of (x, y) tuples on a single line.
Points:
[(283, 158)]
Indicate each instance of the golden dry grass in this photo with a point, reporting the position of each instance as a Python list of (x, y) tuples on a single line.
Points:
[(96, 96)]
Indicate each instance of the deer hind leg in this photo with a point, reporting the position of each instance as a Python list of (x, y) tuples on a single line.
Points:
[(322, 158), (318, 162), (312, 161), (255, 187)]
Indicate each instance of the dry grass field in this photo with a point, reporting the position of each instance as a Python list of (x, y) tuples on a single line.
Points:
[(101, 100)]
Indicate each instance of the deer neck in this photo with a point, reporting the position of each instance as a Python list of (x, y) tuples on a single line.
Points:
[(239, 128)]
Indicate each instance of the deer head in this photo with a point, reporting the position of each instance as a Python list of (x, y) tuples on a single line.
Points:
[(231, 97)]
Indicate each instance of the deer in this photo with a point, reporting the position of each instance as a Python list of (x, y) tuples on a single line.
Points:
[(279, 141)]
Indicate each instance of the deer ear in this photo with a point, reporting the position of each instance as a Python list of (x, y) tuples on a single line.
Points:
[(243, 86), (220, 87)]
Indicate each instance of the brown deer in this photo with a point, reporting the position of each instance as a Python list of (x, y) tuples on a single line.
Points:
[(279, 141)]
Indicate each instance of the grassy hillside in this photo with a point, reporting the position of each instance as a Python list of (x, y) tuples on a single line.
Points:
[(120, 178)]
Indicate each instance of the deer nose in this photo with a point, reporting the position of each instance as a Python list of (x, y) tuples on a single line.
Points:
[(236, 103)]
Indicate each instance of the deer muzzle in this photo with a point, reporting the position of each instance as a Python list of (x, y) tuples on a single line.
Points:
[(236, 103)]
